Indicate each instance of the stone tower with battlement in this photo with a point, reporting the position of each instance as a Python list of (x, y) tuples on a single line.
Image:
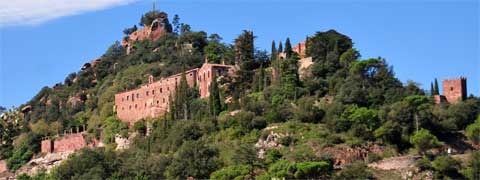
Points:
[(455, 90)]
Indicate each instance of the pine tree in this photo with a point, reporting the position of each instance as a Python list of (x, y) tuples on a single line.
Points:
[(437, 92), (214, 101), (244, 56), (176, 24), (288, 48)]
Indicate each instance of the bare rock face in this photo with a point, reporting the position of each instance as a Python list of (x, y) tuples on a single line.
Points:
[(159, 27), (345, 155), (43, 163), (122, 142), (394, 163), (271, 142)]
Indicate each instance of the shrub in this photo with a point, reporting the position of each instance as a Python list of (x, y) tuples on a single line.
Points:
[(232, 172), (423, 140), (372, 157), (473, 132), (356, 170), (424, 164), (313, 170), (446, 166), (282, 169), (19, 158)]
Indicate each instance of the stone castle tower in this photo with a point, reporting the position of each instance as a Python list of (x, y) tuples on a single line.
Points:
[(455, 90)]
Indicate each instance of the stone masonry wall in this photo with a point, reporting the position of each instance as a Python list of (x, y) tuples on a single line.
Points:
[(455, 90), (47, 146), (152, 99), (300, 49), (3, 166), (69, 142), (66, 143)]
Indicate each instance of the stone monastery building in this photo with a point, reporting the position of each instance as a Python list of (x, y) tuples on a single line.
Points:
[(152, 99)]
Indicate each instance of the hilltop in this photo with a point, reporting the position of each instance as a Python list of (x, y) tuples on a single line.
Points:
[(316, 110)]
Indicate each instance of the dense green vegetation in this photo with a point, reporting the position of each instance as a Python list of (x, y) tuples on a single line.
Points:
[(202, 138)]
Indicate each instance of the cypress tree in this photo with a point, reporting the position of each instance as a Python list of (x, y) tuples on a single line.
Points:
[(432, 90), (288, 48), (274, 51), (214, 101), (261, 78), (437, 92), (171, 104), (183, 96), (280, 47)]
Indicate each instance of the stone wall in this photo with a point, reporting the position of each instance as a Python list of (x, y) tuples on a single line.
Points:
[(455, 90), (3, 166), (66, 143), (47, 146), (152, 99), (300, 49)]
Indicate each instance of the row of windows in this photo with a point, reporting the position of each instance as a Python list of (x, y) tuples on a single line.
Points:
[(135, 106), (138, 94)]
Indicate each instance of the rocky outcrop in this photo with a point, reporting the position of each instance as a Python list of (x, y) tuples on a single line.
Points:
[(159, 27), (345, 155), (43, 163), (394, 163), (270, 142)]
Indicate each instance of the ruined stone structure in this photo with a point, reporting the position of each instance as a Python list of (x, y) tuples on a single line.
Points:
[(157, 29), (152, 99), (66, 143), (454, 90)]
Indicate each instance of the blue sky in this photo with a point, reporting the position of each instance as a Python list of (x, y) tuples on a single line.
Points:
[(421, 39)]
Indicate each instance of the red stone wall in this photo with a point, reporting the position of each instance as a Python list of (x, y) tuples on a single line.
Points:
[(437, 99), (47, 146), (455, 90), (3, 166), (300, 49), (70, 142), (152, 99), (205, 76)]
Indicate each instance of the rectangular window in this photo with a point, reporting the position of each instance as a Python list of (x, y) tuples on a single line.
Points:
[(127, 98), (160, 90), (164, 100), (146, 93), (153, 92)]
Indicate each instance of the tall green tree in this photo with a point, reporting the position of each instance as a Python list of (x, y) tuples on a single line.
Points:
[(182, 97), (245, 58), (432, 89), (288, 48), (176, 24), (214, 100), (280, 47), (274, 51), (437, 91)]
